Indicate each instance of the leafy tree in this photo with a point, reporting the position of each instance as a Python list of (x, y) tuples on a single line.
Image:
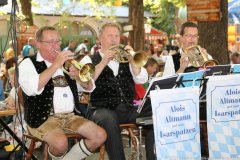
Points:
[(165, 11), (165, 15)]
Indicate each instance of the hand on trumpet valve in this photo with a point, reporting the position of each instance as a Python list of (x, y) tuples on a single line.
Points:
[(108, 56), (128, 48), (184, 62), (73, 72), (203, 50), (63, 57), (130, 52)]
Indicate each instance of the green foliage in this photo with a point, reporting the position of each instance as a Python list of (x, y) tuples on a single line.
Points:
[(165, 14), (163, 9), (178, 3)]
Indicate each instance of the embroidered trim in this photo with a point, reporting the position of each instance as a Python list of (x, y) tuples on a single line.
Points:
[(60, 81)]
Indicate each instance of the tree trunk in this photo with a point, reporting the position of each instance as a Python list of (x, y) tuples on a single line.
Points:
[(213, 35), (136, 19), (27, 11)]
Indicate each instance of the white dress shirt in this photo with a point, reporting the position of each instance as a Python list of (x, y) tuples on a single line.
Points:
[(63, 100), (169, 68), (141, 78)]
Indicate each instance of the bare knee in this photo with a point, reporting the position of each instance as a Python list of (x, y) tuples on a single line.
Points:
[(59, 147), (94, 135), (57, 142), (100, 136)]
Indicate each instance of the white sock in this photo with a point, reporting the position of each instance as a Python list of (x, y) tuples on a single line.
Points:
[(77, 152)]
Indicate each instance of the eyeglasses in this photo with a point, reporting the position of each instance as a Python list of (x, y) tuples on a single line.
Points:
[(52, 42), (191, 36)]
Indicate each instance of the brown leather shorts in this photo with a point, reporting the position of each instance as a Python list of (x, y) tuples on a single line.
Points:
[(68, 122)]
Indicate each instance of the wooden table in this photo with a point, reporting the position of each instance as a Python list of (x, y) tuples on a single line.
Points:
[(9, 112)]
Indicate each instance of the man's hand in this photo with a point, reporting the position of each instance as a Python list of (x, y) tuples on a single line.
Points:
[(107, 56), (184, 62), (130, 52), (10, 102), (73, 72), (62, 57), (203, 50)]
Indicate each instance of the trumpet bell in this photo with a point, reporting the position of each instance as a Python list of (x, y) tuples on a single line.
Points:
[(86, 72), (197, 58), (211, 62), (140, 59), (85, 67)]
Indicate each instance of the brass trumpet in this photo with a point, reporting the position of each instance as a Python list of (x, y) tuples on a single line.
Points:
[(86, 70), (197, 58), (139, 59)]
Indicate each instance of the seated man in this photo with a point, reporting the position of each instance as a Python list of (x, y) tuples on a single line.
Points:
[(50, 96), (71, 46), (151, 67), (82, 48), (179, 62), (111, 103), (235, 58)]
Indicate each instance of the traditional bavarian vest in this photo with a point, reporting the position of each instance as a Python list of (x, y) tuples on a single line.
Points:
[(38, 108), (110, 90), (176, 60)]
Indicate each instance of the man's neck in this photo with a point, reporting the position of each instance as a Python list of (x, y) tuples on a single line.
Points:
[(103, 50)]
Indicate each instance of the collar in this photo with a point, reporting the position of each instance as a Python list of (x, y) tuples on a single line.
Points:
[(181, 51), (101, 54), (39, 58)]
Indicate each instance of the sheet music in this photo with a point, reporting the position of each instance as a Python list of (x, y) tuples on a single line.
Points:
[(191, 78), (160, 82), (236, 68)]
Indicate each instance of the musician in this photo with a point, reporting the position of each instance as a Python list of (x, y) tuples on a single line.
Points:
[(235, 58), (151, 67), (178, 62), (49, 97), (111, 103)]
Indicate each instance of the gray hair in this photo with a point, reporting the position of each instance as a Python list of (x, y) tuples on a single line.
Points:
[(111, 24), (39, 33)]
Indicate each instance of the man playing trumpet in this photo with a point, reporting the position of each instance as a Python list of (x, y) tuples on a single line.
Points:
[(178, 62), (50, 96), (111, 103)]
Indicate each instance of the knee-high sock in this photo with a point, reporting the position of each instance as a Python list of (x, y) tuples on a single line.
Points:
[(77, 152), (54, 157)]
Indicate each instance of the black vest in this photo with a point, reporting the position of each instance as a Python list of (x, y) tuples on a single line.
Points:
[(176, 60), (110, 90), (38, 108)]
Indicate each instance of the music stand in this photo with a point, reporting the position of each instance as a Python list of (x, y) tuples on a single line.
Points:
[(145, 109), (236, 69), (190, 79), (218, 70)]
